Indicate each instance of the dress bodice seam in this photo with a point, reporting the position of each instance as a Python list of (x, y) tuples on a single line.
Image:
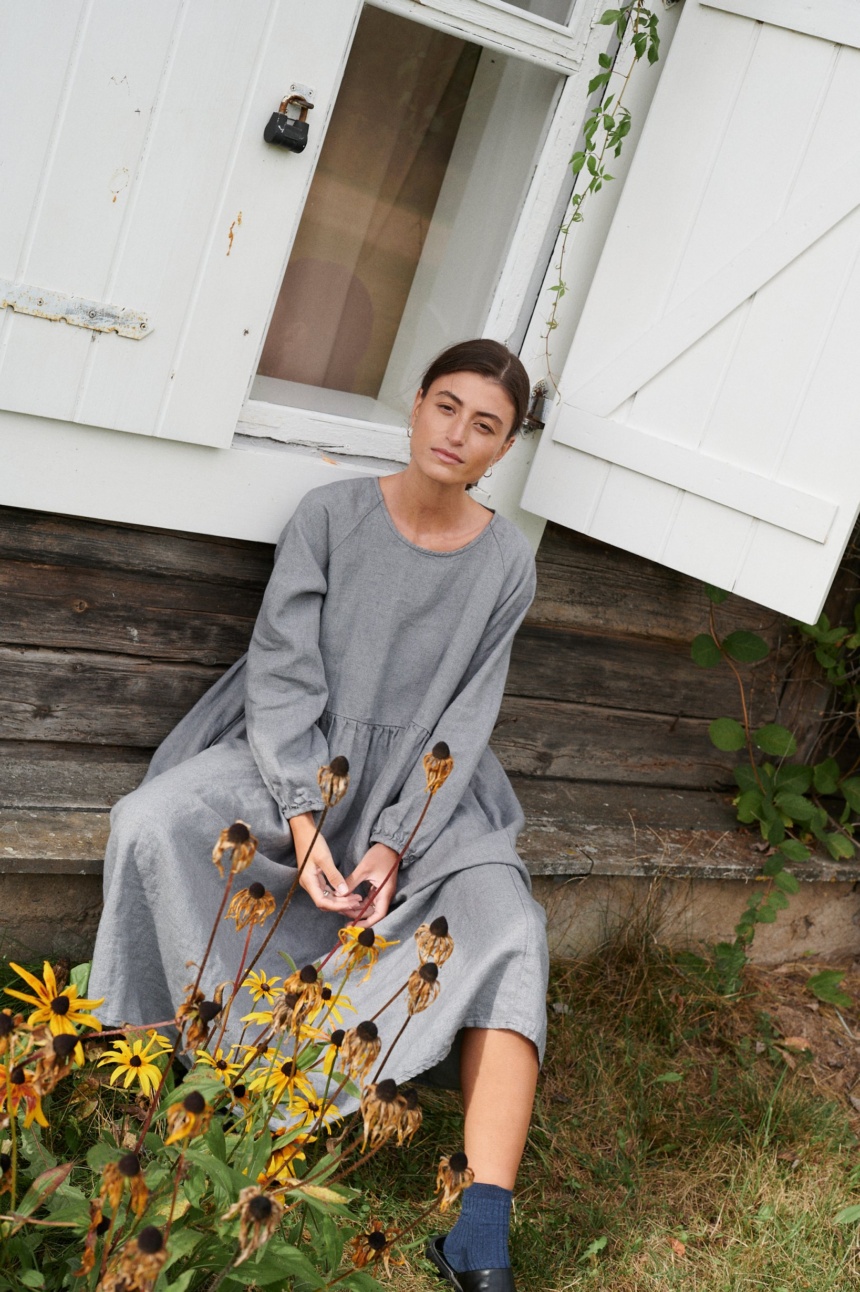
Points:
[(377, 726)]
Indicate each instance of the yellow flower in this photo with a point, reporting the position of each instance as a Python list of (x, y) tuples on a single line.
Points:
[(190, 1117), (282, 1079), (361, 946), (224, 1067), (116, 1175), (261, 985), (288, 1146), (61, 1010), (137, 1061), (332, 1006), (17, 1087), (307, 1111)]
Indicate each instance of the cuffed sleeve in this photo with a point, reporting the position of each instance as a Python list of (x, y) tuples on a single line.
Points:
[(465, 726), (286, 689)]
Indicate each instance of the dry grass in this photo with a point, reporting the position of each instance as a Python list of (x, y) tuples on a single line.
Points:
[(672, 1125)]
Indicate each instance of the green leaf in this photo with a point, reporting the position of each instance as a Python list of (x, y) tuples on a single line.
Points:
[(705, 651), (850, 788), (596, 81), (749, 806), (796, 777), (80, 977), (795, 850), (825, 985), (666, 1077), (608, 17), (42, 1188), (32, 1279), (604, 60), (786, 882), (848, 1215), (727, 734), (746, 647), (746, 777), (795, 806), (717, 595), (840, 848), (826, 776), (776, 740)]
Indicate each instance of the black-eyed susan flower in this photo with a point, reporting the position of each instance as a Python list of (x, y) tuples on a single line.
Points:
[(331, 1056), (333, 781), (222, 1064), (281, 1079), (138, 1265), (438, 766), (359, 1049), (454, 1175), (306, 986), (55, 1060), (196, 1015), (381, 1111), (98, 1225), (125, 1172), (361, 946), (307, 1112), (63, 1011), (332, 1006), (191, 1116), (434, 941), (374, 1245), (288, 1145), (422, 987), (261, 986), (288, 1014), (238, 840), (251, 905), (136, 1061), (410, 1117), (17, 1087), (259, 1217)]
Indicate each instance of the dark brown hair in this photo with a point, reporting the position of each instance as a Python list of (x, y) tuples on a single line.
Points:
[(489, 359)]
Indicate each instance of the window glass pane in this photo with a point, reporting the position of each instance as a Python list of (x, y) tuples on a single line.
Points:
[(420, 181), (555, 10)]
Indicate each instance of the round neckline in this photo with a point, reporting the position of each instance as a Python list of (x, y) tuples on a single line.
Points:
[(428, 551)]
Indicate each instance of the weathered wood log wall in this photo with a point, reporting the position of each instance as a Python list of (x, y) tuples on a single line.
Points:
[(108, 634)]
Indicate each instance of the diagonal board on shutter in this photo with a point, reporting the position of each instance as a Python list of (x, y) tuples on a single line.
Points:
[(706, 418)]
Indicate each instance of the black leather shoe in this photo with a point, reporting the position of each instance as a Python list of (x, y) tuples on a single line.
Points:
[(468, 1280)]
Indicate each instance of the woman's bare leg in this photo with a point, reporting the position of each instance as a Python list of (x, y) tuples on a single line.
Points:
[(498, 1073)]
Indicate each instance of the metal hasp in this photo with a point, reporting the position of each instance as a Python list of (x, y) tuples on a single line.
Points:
[(57, 307), (289, 131)]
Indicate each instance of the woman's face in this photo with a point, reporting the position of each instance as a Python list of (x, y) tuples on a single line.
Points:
[(460, 427)]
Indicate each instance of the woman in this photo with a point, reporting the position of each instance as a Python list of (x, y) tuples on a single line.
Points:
[(386, 627)]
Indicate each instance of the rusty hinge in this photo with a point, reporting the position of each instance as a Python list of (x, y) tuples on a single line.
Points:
[(61, 308)]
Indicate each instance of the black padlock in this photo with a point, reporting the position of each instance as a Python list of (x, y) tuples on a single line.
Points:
[(286, 131)]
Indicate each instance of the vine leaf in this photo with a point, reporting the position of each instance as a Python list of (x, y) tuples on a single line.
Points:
[(746, 647), (825, 985), (774, 739), (727, 734), (705, 651)]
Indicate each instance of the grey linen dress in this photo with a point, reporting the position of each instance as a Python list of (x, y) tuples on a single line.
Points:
[(368, 646)]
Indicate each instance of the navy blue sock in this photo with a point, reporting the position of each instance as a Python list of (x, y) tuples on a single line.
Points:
[(479, 1240)]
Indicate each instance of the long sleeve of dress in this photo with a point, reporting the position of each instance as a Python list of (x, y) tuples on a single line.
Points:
[(465, 726), (286, 689)]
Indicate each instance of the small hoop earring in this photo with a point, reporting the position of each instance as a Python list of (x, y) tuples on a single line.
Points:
[(409, 429), (487, 474)]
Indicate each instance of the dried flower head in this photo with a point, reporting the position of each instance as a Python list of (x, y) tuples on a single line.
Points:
[(126, 1171), (237, 838), (138, 1264), (454, 1175), (18, 1087), (372, 1246), (98, 1225), (189, 1117), (288, 1014), (259, 1217), (334, 781), (382, 1110), (410, 1116), (252, 905), (359, 1050), (422, 987), (361, 946), (197, 1015), (9, 1022), (438, 766), (55, 1060), (305, 984), (434, 941), (63, 1011)]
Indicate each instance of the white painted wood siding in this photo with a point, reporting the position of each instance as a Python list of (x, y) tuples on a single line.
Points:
[(711, 399), (134, 173)]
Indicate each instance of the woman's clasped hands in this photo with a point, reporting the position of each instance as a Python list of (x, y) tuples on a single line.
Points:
[(374, 876)]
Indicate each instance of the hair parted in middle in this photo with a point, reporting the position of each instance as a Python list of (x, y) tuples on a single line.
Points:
[(489, 359)]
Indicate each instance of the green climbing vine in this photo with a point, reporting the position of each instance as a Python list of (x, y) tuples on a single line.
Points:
[(795, 806), (603, 134)]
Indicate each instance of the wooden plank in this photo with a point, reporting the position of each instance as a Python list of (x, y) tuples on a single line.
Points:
[(836, 20), (587, 585), (103, 610), (95, 699), (580, 742), (49, 538), (37, 774), (59, 842), (612, 672)]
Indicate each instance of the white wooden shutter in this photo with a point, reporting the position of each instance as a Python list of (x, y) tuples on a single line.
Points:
[(710, 415), (135, 177)]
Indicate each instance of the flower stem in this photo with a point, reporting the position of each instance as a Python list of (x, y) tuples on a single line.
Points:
[(383, 1008), (387, 1055), (13, 1131), (239, 979)]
